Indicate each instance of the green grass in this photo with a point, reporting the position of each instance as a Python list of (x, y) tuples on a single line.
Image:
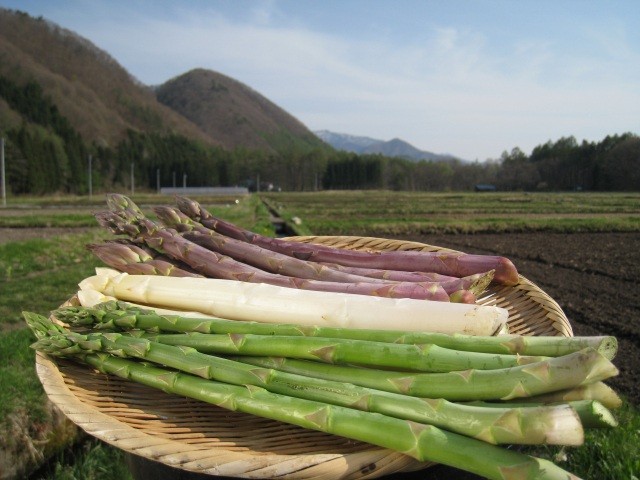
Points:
[(383, 213), (20, 389), (606, 454), (91, 460), (62, 220), (37, 275), (43, 273)]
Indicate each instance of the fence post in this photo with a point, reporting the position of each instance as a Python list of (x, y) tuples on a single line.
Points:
[(4, 186)]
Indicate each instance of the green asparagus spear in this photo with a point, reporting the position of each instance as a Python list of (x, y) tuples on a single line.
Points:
[(423, 357), (592, 413), (550, 425), (575, 369), (423, 442), (123, 316)]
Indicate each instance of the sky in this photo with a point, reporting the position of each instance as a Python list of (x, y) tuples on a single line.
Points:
[(468, 78)]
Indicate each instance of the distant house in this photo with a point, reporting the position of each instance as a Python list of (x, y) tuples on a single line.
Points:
[(485, 187)]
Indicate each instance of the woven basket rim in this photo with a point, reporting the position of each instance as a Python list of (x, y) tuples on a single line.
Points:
[(104, 411)]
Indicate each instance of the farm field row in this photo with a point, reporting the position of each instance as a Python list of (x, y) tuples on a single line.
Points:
[(371, 213)]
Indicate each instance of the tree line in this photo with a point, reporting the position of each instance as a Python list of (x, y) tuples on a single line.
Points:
[(45, 154)]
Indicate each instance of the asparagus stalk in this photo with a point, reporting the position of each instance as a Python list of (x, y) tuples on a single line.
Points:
[(423, 442), (555, 374), (122, 315), (420, 357), (211, 264), (464, 290), (424, 358), (597, 391), (250, 254), (132, 259), (265, 303), (92, 298), (397, 275), (592, 413), (276, 262), (557, 425), (446, 263)]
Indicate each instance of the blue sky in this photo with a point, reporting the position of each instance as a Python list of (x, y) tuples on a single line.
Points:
[(471, 78)]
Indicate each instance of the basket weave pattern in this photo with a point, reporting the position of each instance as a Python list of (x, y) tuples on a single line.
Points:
[(202, 438)]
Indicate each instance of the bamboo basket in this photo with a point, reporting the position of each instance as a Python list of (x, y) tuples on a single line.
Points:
[(198, 438)]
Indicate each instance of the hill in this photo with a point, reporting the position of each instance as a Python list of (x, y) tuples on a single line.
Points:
[(103, 102), (100, 98), (366, 145), (231, 112)]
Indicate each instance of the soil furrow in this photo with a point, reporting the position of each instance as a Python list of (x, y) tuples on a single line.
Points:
[(591, 276)]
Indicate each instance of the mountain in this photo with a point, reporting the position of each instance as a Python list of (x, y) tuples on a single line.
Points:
[(231, 112), (343, 141), (98, 96), (103, 102), (367, 145)]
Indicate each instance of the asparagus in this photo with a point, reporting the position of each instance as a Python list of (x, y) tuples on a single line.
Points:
[(251, 254), (132, 259), (592, 413), (276, 262), (558, 425), (214, 265), (265, 303), (122, 315), (448, 263), (459, 290), (425, 358), (597, 391), (555, 374), (397, 275), (423, 442)]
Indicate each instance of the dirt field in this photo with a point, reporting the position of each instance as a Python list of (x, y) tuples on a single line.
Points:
[(592, 276)]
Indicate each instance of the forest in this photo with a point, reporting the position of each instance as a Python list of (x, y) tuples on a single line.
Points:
[(45, 154)]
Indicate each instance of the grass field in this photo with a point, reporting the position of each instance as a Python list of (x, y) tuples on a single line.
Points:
[(383, 213), (40, 274)]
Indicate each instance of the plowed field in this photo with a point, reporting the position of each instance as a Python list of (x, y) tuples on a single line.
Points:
[(594, 278)]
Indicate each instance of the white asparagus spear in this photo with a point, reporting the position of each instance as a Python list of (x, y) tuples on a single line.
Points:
[(272, 304), (90, 298)]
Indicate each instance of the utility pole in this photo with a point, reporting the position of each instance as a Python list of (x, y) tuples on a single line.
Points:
[(90, 181), (133, 188), (158, 180), (174, 179), (184, 180), (4, 186)]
